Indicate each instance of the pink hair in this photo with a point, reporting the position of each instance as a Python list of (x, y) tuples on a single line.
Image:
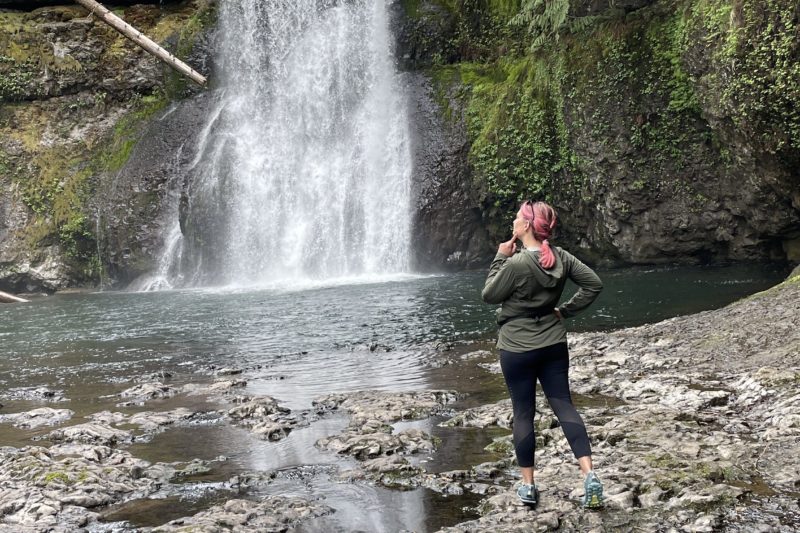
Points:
[(542, 218)]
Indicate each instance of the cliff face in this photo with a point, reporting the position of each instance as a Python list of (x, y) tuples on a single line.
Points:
[(75, 99), (662, 131)]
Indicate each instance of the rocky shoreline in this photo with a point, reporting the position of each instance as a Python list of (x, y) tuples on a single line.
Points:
[(694, 421)]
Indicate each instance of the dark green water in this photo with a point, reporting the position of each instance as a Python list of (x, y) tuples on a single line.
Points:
[(297, 344), (373, 334)]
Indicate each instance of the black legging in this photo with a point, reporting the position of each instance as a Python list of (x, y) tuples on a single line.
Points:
[(550, 365)]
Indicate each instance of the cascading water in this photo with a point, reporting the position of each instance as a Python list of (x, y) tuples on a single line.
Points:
[(304, 169)]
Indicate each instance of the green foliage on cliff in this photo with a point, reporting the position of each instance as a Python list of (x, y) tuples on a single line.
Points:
[(58, 139), (56, 181), (516, 132), (763, 90), (621, 98)]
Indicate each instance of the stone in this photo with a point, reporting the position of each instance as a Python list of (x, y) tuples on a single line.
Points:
[(41, 488), (91, 433), (374, 444), (273, 513), (622, 501), (651, 498), (139, 394), (263, 417), (43, 416), (216, 389), (387, 406), (43, 394), (497, 414)]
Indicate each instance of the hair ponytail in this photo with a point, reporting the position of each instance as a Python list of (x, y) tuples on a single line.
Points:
[(547, 257), (542, 218)]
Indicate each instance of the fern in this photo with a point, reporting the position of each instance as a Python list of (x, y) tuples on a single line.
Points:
[(547, 20)]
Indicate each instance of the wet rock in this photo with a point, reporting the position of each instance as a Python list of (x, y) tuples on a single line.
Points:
[(75, 81), (497, 414), (490, 469), (217, 389), (91, 433), (441, 178), (150, 421), (501, 445), (365, 446), (370, 438), (194, 468), (262, 416), (109, 418), (43, 416), (274, 513), (228, 371), (384, 406), (140, 394), (42, 394), (492, 368), (393, 471), (89, 452), (42, 489)]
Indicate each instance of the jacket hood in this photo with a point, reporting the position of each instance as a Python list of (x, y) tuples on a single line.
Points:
[(545, 277)]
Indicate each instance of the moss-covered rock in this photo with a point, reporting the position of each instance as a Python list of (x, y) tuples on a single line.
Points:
[(662, 131), (74, 96)]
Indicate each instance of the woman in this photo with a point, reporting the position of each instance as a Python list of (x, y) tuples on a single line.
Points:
[(532, 338)]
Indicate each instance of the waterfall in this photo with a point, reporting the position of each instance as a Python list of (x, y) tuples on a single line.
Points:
[(303, 171)]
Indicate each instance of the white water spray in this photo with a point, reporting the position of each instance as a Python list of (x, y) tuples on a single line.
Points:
[(304, 169)]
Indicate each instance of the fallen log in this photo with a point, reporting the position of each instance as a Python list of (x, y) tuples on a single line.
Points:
[(142, 40), (10, 298)]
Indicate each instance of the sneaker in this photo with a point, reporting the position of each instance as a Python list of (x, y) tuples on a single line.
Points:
[(593, 492), (528, 494)]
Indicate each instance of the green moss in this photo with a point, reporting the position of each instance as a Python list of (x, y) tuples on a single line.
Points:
[(411, 8), (56, 477), (501, 446), (15, 78), (204, 16), (625, 85), (56, 183), (763, 92)]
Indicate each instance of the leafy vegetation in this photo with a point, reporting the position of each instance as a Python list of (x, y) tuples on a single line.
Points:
[(540, 86)]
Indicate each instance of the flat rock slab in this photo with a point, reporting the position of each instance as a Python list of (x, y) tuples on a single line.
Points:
[(262, 416), (218, 389), (42, 394), (91, 433), (43, 416), (45, 488), (272, 514), (385, 406), (140, 394), (365, 446), (496, 414)]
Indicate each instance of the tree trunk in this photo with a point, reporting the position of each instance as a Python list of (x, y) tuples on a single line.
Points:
[(141, 39), (10, 298)]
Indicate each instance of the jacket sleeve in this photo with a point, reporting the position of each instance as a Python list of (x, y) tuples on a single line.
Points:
[(500, 283), (589, 287)]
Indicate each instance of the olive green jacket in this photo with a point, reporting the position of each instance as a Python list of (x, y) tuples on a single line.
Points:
[(521, 284)]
